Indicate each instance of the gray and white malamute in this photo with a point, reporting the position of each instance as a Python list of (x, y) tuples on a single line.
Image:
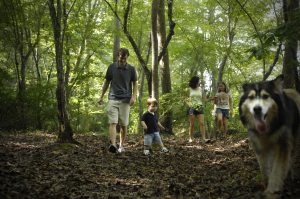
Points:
[(272, 116)]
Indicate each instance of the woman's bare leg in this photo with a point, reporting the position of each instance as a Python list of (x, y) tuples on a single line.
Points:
[(191, 127)]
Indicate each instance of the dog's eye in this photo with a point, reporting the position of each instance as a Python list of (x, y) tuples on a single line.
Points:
[(265, 96), (251, 97)]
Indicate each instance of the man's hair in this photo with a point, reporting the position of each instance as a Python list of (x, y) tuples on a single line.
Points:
[(151, 101), (123, 52)]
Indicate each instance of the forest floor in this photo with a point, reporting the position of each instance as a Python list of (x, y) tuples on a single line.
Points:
[(33, 165)]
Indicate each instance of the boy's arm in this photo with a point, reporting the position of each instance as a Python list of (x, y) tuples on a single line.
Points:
[(143, 125), (161, 126)]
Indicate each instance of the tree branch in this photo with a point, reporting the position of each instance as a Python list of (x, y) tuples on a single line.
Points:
[(256, 30), (172, 25), (267, 74), (129, 37)]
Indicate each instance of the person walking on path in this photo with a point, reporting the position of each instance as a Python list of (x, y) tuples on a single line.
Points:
[(151, 127), (121, 79), (223, 101), (196, 108)]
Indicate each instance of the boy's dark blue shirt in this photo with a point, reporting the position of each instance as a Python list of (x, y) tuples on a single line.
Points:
[(151, 122)]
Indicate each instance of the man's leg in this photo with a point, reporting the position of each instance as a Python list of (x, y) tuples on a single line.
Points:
[(112, 133), (123, 134), (113, 120), (124, 109)]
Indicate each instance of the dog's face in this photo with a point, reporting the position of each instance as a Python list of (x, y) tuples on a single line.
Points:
[(259, 105)]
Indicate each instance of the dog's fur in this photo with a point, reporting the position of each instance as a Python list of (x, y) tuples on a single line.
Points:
[(272, 116)]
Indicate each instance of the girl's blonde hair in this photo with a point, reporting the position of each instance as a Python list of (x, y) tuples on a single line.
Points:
[(151, 101)]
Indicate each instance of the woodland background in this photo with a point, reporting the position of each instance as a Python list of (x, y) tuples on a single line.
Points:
[(53, 59), (54, 55)]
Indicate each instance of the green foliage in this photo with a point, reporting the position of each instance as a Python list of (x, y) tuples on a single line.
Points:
[(197, 48)]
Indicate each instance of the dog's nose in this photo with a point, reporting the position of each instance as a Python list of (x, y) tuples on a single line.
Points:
[(257, 110)]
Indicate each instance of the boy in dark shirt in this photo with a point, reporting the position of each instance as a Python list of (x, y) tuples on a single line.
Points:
[(151, 127)]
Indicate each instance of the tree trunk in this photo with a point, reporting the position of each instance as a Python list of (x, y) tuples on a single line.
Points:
[(290, 62), (231, 33), (155, 79), (65, 130), (116, 35), (164, 65), (117, 41), (36, 59), (22, 93), (132, 42)]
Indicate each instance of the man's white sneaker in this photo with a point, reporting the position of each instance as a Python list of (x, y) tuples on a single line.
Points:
[(121, 149)]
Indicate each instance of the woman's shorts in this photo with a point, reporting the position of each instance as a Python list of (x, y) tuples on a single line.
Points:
[(224, 112), (192, 111)]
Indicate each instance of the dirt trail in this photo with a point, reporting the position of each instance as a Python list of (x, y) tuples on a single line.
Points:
[(34, 166)]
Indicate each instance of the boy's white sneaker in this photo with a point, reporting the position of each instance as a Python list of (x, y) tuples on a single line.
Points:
[(146, 152), (164, 150)]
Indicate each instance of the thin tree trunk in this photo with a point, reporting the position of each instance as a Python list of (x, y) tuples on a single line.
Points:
[(132, 41), (65, 130), (154, 41), (36, 58), (117, 41), (116, 35), (231, 34), (164, 65), (276, 57)]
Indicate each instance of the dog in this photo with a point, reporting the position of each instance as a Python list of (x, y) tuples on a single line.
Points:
[(271, 115)]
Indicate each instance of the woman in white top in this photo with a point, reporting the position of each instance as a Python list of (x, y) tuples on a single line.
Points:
[(196, 109)]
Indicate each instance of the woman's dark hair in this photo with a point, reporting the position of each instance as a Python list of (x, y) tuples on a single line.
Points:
[(194, 82), (226, 88), (123, 52)]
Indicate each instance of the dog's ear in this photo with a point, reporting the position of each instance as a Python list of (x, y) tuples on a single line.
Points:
[(278, 83), (245, 87)]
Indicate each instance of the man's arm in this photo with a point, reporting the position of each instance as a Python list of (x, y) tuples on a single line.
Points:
[(104, 89), (134, 92)]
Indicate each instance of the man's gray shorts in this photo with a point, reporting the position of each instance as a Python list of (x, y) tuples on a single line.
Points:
[(118, 112)]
